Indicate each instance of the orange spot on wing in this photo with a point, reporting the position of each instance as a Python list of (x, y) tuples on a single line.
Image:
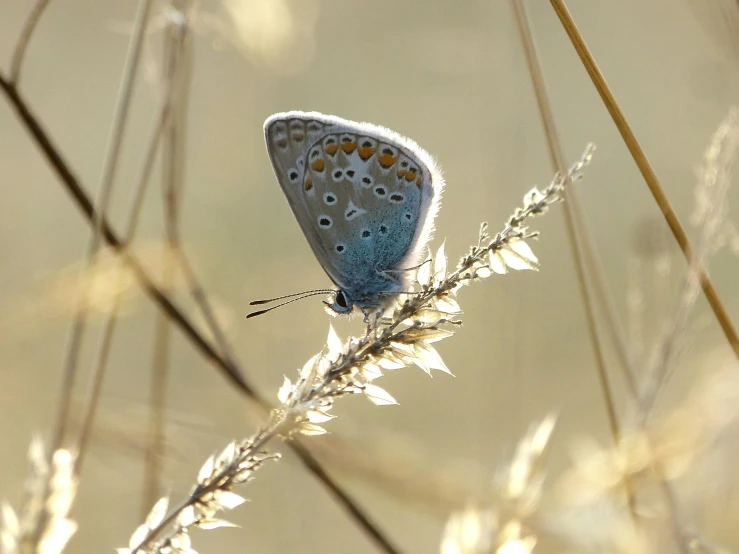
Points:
[(318, 165), (308, 184), (365, 152), (386, 160), (331, 149), (419, 182), (410, 176), (349, 147), (401, 173)]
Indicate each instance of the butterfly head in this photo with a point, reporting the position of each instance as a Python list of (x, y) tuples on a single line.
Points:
[(374, 296), (341, 303)]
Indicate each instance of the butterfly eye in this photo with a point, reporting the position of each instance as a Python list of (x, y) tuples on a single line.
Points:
[(341, 300)]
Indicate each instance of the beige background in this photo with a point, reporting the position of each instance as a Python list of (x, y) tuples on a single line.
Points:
[(452, 76)]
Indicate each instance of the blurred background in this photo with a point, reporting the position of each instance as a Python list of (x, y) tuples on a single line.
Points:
[(450, 75)]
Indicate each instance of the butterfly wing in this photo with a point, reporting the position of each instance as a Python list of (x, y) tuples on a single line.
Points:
[(364, 196)]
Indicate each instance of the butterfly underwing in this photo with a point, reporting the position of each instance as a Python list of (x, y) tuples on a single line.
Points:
[(364, 196)]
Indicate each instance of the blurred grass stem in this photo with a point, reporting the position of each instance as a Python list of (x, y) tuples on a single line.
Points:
[(177, 75), (578, 236), (107, 181), (21, 46), (646, 170)]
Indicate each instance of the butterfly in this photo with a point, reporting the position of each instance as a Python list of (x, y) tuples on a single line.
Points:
[(365, 198)]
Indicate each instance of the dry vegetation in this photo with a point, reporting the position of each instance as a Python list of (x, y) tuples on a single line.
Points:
[(618, 497)]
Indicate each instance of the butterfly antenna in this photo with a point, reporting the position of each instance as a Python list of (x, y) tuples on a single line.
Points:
[(304, 295), (404, 269), (305, 292), (395, 293)]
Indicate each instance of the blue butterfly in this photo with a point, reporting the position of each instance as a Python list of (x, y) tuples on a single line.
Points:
[(365, 198)]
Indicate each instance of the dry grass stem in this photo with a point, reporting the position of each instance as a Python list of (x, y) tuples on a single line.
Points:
[(25, 37), (177, 81)]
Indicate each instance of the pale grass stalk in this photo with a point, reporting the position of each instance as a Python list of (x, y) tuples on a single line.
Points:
[(177, 75), (397, 336), (504, 524), (50, 491), (721, 21), (708, 217), (181, 19)]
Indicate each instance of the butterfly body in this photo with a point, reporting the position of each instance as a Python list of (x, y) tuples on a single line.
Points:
[(364, 196)]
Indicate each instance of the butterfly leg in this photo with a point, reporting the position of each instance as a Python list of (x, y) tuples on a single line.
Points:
[(366, 313)]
